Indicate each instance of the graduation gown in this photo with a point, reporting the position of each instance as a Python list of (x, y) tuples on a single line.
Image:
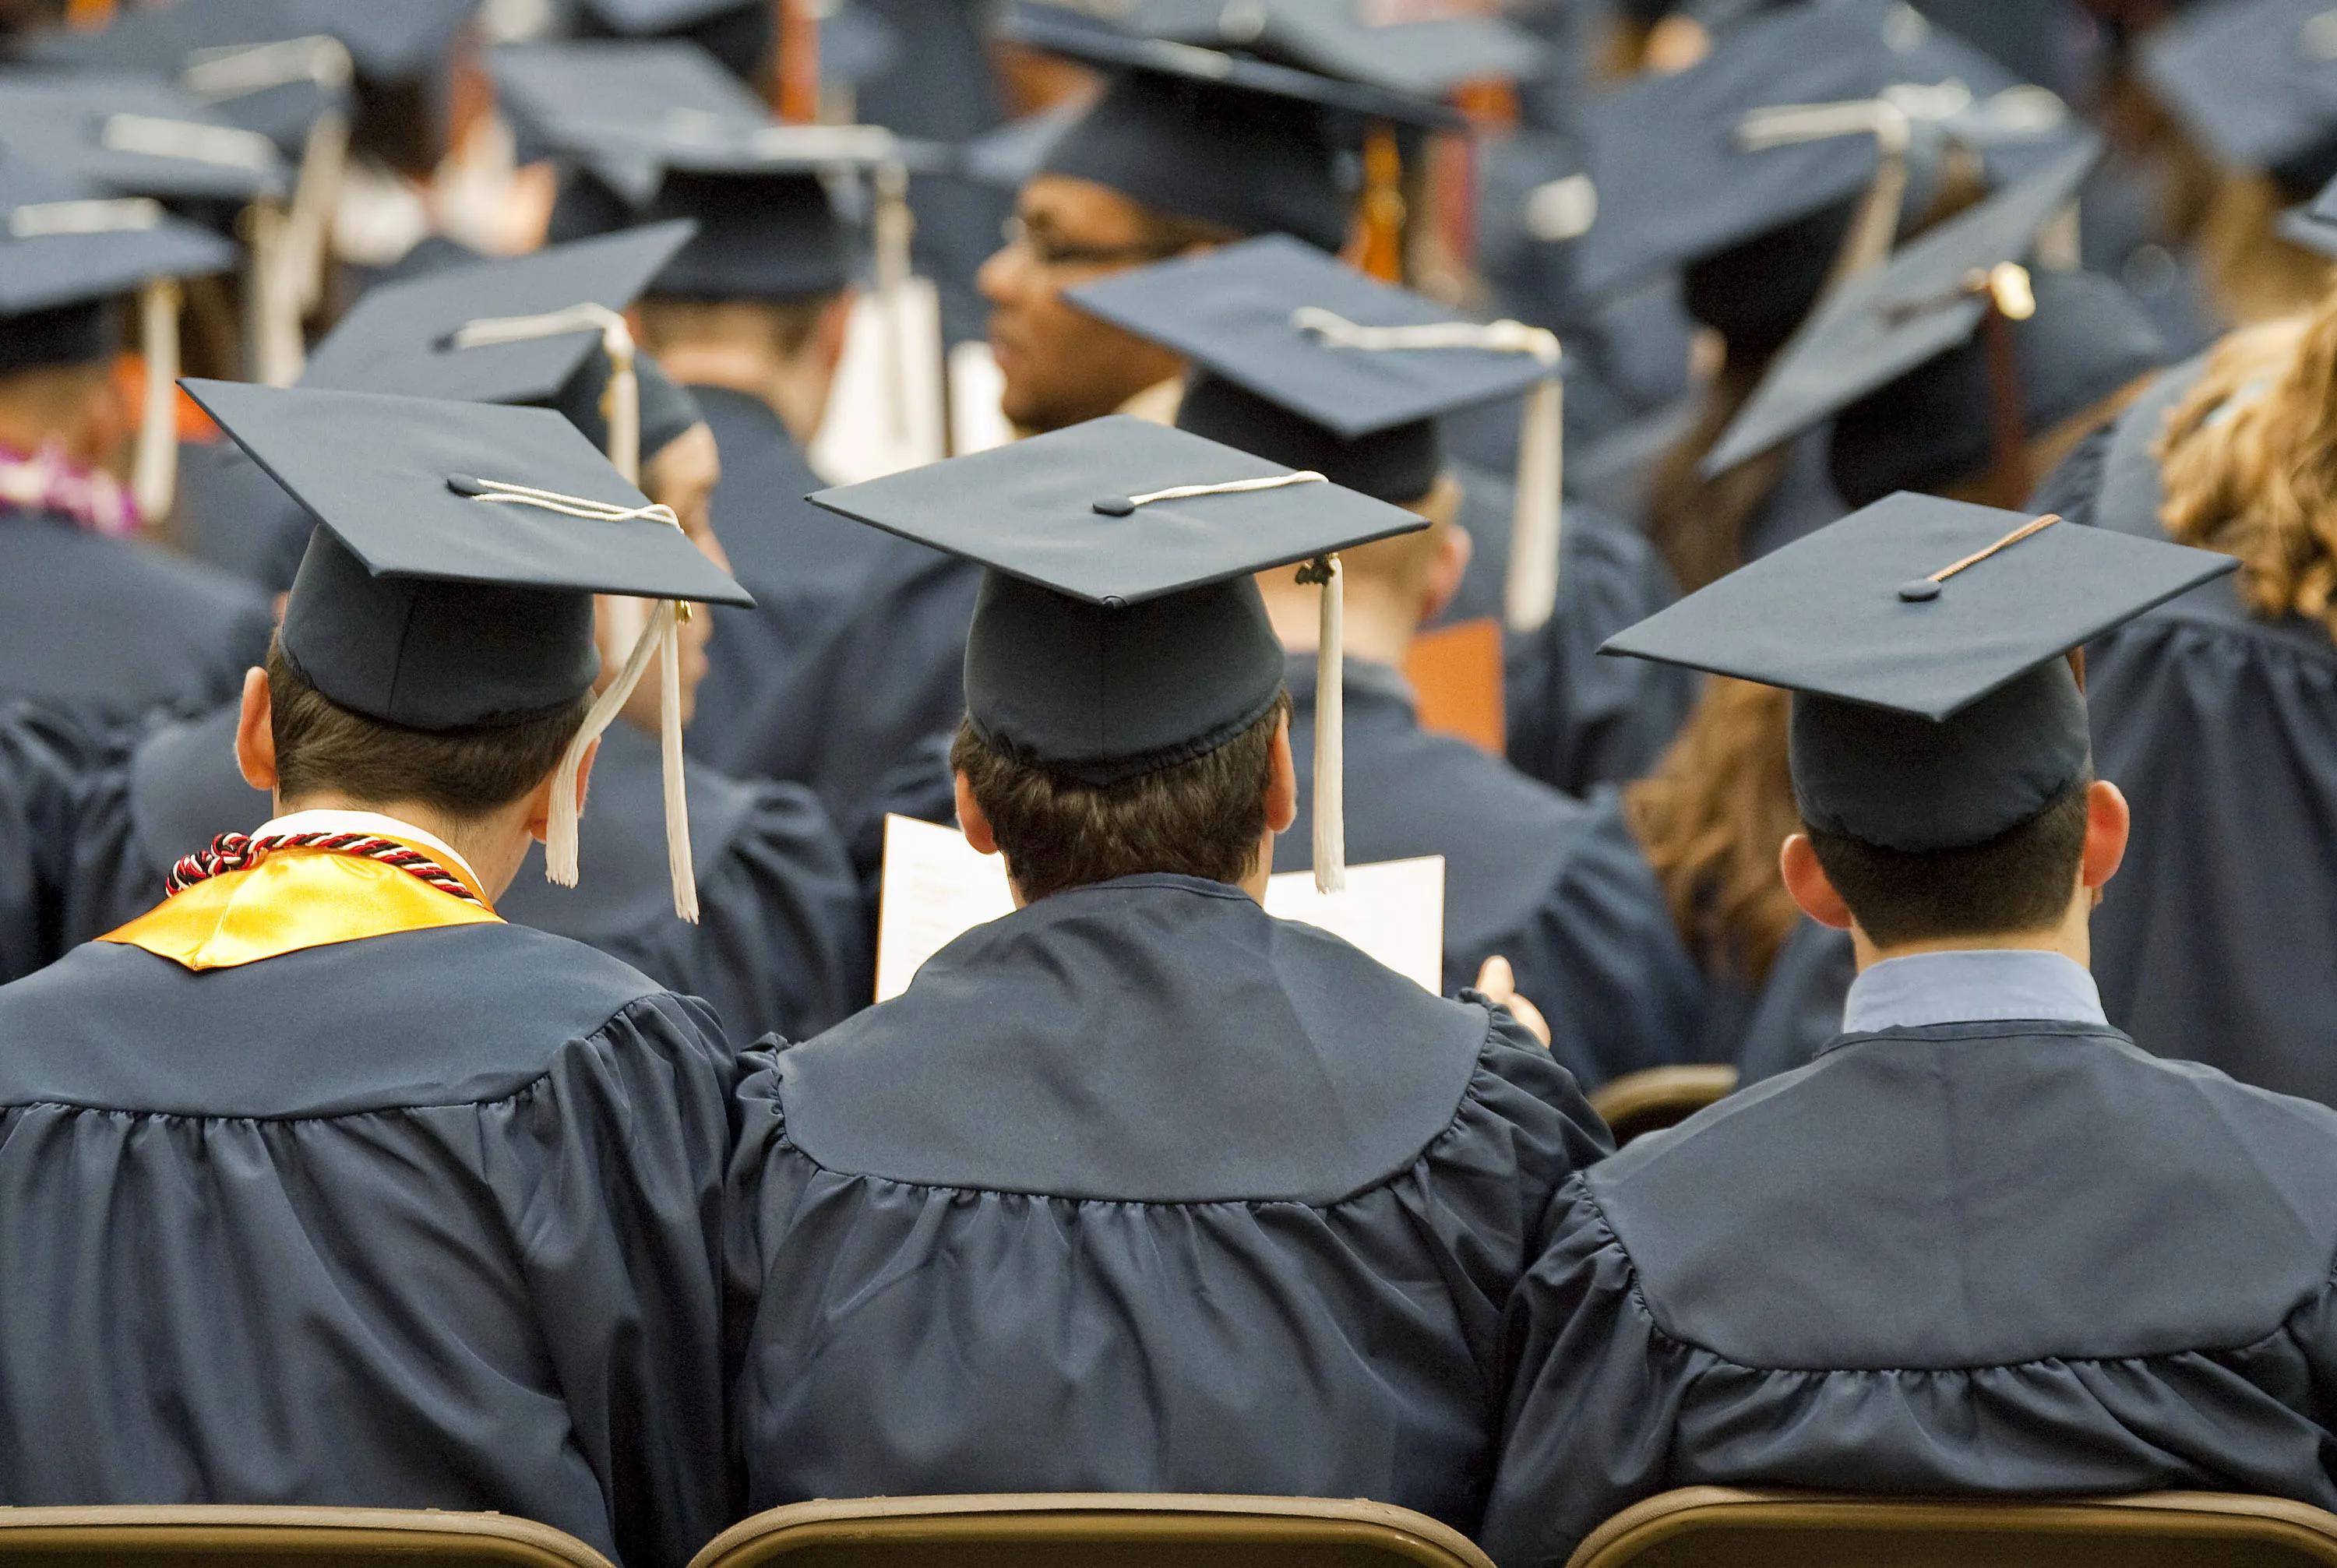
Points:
[(855, 649), (778, 943), (2217, 940), (417, 1219), (1139, 1189), (108, 629), (1576, 719), (1972, 1258), (36, 782)]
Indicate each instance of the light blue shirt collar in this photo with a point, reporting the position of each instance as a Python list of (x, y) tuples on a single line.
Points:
[(1971, 986)]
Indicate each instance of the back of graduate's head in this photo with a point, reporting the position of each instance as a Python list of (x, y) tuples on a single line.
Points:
[(324, 750), (57, 386), (1988, 828), (1210, 817)]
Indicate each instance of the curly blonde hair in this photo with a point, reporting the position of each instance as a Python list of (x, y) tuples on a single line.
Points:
[(1710, 820), (2248, 458)]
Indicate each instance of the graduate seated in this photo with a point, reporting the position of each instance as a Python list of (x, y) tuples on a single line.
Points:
[(1983, 1244), (2219, 710), (325, 1184), (90, 618), (1138, 1189)]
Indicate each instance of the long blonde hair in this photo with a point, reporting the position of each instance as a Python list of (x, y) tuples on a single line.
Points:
[(1710, 820), (2249, 462)]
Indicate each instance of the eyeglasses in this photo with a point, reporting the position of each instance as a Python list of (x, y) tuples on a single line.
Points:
[(1049, 253)]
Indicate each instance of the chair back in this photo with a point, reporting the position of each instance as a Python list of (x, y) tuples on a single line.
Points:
[(220, 1536), (1723, 1527), (1091, 1530), (1658, 1097)]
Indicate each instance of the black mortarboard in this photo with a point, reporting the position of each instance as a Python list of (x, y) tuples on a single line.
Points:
[(1678, 181), (408, 337), (676, 140), (1426, 58), (1879, 326), (67, 252), (2255, 80), (1272, 324), (265, 65), (1922, 640), (1201, 133), (2313, 224), (1930, 428), (1118, 631), (855, 47), (134, 135), (450, 585)]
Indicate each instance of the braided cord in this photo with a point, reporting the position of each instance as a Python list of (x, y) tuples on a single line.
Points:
[(239, 852)]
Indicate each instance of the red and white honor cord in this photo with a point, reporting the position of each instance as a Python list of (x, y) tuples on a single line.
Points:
[(238, 852)]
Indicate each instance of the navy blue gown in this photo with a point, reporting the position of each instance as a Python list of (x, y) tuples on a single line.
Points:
[(231, 515), (1972, 1258), (2217, 940), (37, 774), (778, 943), (426, 1220), (108, 629), (1138, 1189)]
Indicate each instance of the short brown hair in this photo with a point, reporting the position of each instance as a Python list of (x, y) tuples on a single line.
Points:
[(781, 326), (2018, 880), (465, 773), (1199, 818)]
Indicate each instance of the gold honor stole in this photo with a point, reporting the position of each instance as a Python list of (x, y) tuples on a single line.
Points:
[(297, 899)]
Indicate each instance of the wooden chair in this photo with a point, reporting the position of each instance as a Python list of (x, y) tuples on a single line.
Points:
[(1722, 1527), (216, 1535), (1659, 1097), (1091, 1530)]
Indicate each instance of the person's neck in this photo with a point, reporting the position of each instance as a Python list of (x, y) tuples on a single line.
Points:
[(1374, 624), (492, 846), (795, 390), (2072, 939)]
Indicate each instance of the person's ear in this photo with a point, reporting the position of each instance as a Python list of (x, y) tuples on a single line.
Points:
[(834, 327), (1281, 781), (1806, 880), (2109, 823), (1453, 552), (255, 733), (539, 804), (972, 822)]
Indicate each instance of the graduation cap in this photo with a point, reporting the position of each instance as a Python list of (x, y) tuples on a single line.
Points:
[(664, 137), (855, 47), (520, 330), (1938, 425), (451, 583), (266, 64), (1207, 134), (67, 252), (1427, 58), (135, 135), (1931, 296), (1792, 114), (1308, 362), (2255, 80), (1118, 631), (1923, 642)]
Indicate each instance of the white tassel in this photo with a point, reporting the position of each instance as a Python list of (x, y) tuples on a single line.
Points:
[(272, 298), (154, 470), (560, 864), (624, 403), (1330, 734), (894, 225), (1530, 591), (323, 158), (676, 804)]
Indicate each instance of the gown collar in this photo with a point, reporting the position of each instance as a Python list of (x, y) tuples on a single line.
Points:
[(1971, 986)]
